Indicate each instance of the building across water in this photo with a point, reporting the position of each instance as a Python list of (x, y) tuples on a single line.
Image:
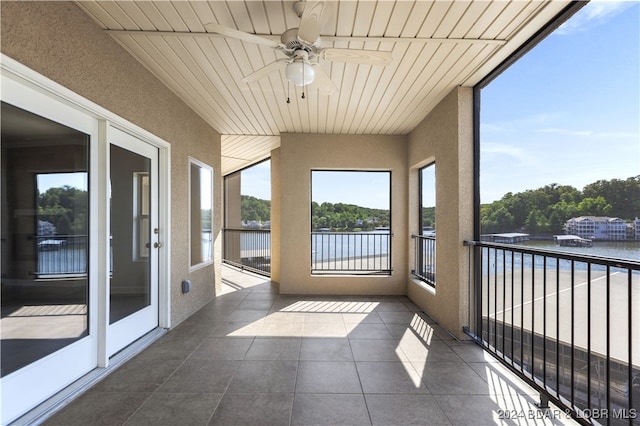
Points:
[(602, 228)]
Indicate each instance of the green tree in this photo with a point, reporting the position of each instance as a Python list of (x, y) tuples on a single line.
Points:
[(555, 204), (555, 223), (252, 208), (594, 207), (622, 195), (533, 222), (66, 208)]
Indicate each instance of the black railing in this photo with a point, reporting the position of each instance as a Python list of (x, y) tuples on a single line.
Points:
[(248, 249), (61, 255), (424, 262), (568, 324), (351, 253)]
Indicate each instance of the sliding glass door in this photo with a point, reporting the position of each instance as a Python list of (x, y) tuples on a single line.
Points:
[(80, 242), (48, 303)]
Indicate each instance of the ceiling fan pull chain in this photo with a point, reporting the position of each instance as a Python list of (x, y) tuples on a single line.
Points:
[(302, 64), (288, 88)]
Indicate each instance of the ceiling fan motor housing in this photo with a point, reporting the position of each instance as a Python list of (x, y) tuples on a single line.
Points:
[(290, 39)]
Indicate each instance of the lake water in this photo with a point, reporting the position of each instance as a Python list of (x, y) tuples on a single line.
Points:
[(499, 260), (629, 250), (355, 245)]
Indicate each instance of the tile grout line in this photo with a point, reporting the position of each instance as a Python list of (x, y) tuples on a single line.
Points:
[(355, 365)]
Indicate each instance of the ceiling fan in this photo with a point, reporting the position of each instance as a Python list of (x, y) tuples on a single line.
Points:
[(303, 49)]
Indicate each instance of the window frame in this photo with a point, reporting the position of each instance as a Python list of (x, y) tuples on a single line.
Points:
[(388, 271), (141, 216), (202, 166), (420, 242)]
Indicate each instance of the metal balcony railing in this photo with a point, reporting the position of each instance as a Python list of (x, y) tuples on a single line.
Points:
[(248, 249), (567, 324), (61, 255), (424, 262), (351, 253)]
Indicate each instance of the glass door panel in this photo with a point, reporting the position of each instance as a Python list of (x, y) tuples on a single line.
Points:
[(130, 233), (45, 238), (133, 283), (48, 318)]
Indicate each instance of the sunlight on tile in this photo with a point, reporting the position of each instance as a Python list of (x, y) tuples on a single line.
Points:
[(421, 328), (331, 306), (358, 318), (48, 310), (250, 330), (413, 374), (500, 379)]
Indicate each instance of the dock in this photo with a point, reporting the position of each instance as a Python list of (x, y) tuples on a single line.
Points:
[(572, 241)]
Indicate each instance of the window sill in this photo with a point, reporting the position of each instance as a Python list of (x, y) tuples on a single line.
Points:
[(424, 286)]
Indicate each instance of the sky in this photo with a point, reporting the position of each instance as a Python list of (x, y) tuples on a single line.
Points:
[(568, 112), (58, 180)]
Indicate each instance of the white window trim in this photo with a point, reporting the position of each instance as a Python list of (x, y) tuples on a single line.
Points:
[(207, 167)]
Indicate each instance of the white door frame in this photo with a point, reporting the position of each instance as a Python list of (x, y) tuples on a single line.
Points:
[(123, 332), (19, 84), (20, 389)]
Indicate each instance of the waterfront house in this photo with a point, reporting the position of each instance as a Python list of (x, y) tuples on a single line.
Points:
[(46, 228), (144, 101), (597, 227)]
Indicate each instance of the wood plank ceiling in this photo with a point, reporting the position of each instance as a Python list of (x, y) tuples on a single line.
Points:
[(436, 46)]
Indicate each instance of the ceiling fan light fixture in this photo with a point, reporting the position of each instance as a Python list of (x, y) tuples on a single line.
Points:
[(300, 73)]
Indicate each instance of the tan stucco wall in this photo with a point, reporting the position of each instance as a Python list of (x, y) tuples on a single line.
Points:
[(446, 137), (59, 41), (301, 153), (276, 226)]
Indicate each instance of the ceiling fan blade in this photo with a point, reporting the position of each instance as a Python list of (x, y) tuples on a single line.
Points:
[(311, 21), (323, 82), (356, 56), (241, 35), (264, 71)]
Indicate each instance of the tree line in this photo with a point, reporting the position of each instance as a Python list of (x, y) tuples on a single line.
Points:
[(66, 208), (252, 208), (545, 210), (537, 211), (337, 217), (347, 217)]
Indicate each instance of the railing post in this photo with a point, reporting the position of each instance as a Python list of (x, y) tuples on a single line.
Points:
[(544, 401), (580, 275), (256, 245)]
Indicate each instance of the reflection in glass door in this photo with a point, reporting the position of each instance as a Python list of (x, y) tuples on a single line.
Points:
[(130, 233), (133, 288), (48, 318), (45, 236)]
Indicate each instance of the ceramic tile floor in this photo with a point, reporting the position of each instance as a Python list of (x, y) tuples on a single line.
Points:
[(252, 357)]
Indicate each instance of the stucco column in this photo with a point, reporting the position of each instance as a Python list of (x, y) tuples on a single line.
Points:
[(445, 137), (232, 217), (232, 201), (276, 225)]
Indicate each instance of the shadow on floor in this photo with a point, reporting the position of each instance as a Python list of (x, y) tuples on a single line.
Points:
[(252, 356)]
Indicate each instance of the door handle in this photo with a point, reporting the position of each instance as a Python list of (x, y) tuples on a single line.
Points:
[(157, 245)]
